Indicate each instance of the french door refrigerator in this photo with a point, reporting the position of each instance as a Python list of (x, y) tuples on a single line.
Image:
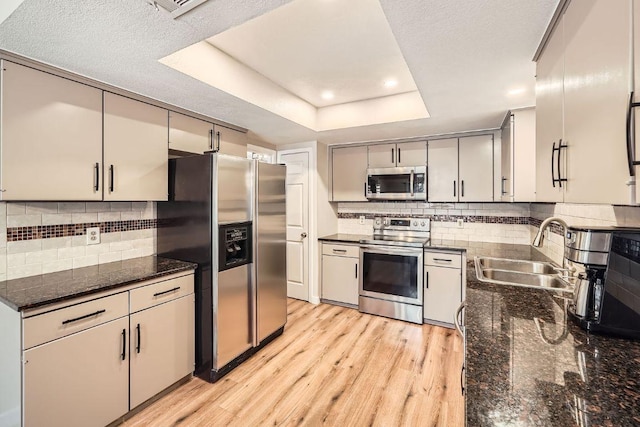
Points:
[(227, 214)]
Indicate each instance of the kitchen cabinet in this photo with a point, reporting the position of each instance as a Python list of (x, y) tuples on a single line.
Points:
[(405, 154), (443, 286), (461, 169), (230, 141), (348, 174), (135, 150), (88, 361), (582, 94), (79, 380), (51, 137), (518, 152), (634, 146), (188, 134), (340, 273)]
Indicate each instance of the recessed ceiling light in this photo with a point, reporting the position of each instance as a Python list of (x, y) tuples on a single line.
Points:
[(516, 91), (327, 94), (390, 83)]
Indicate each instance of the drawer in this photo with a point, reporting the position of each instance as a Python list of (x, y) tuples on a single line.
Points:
[(341, 250), (74, 318), (443, 259), (159, 292)]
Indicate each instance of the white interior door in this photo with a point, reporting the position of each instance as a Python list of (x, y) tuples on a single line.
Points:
[(297, 223)]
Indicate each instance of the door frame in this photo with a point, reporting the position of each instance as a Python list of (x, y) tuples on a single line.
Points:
[(312, 275)]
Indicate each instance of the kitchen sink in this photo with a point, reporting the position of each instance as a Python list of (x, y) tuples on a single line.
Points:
[(530, 274)]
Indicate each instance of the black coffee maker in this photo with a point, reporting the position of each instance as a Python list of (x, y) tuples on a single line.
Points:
[(607, 294)]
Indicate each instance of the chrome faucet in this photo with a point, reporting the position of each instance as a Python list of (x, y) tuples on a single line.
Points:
[(537, 241)]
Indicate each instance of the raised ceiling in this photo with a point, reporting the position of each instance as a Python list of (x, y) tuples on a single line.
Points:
[(464, 56)]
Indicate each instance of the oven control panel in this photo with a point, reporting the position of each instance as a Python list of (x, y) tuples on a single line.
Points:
[(402, 224)]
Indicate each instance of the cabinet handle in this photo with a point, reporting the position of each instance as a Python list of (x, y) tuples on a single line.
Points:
[(393, 161), (399, 161), (96, 180), (442, 260), (111, 176), (365, 189), (426, 280), (356, 271), (462, 188), (124, 344), (502, 187), (84, 317), (139, 338), (218, 137), (454, 189), (631, 139), (157, 294), (553, 173), (342, 251), (210, 139)]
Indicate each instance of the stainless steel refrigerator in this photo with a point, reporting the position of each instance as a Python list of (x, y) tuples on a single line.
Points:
[(227, 214)]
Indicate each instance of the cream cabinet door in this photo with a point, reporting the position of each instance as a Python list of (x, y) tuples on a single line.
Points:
[(597, 67), (135, 150), (162, 347), (475, 169), (232, 142), (442, 293), (382, 155), (79, 380), (349, 174), (189, 134), (523, 155), (340, 279), (506, 163), (411, 154), (636, 89), (549, 117), (51, 137), (443, 170)]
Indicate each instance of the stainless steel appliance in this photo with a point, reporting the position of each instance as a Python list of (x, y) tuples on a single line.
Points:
[(400, 183), (391, 268), (221, 217), (607, 294)]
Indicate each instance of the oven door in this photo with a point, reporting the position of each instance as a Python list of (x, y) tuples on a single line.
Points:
[(391, 273), (397, 183)]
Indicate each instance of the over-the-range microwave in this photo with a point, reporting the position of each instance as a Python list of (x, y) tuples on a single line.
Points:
[(401, 183)]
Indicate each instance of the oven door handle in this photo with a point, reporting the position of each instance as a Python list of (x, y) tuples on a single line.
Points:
[(392, 250)]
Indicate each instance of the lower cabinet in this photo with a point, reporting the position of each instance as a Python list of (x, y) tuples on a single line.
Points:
[(88, 362), (79, 380), (443, 286), (340, 273)]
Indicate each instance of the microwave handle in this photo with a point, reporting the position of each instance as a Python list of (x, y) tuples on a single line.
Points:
[(410, 179)]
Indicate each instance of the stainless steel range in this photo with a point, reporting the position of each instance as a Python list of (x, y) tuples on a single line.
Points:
[(391, 268)]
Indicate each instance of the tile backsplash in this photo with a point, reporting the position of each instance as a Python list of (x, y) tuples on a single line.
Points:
[(43, 237)]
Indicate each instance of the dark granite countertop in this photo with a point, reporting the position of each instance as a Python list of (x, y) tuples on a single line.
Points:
[(36, 291), (528, 364)]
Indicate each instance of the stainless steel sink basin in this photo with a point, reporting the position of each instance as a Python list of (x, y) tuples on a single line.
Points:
[(528, 274), (517, 265)]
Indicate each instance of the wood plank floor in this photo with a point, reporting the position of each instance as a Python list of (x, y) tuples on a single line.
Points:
[(332, 366)]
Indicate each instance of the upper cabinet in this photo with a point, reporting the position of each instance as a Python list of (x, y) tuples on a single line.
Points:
[(582, 94), (135, 150), (633, 154), (189, 134), (349, 174), (51, 137), (461, 169), (230, 141), (406, 154), (518, 181)]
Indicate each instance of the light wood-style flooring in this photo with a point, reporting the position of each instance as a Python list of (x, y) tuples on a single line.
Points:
[(332, 366)]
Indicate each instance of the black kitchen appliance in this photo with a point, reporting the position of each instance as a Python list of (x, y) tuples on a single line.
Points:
[(607, 294)]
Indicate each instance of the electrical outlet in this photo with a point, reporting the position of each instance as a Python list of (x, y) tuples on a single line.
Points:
[(361, 219), (460, 223), (93, 235)]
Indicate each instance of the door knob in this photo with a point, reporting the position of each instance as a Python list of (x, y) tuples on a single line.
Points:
[(303, 235)]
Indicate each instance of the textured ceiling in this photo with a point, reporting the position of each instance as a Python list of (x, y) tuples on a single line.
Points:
[(464, 56)]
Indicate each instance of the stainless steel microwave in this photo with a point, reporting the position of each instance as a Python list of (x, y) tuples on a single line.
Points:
[(407, 183)]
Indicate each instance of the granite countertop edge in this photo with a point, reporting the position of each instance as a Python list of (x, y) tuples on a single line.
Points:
[(165, 267)]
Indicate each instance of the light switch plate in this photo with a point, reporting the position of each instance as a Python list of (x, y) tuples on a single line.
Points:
[(93, 235), (460, 223), (361, 219)]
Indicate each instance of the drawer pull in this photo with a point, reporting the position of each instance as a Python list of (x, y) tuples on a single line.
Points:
[(442, 260), (342, 251), (84, 317), (124, 344), (157, 294)]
